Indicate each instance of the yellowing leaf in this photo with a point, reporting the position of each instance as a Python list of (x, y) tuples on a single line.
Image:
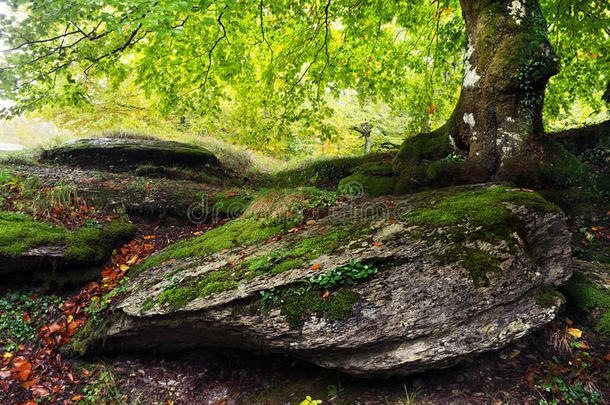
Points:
[(124, 267)]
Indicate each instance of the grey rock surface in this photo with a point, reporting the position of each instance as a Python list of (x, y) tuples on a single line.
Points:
[(421, 310)]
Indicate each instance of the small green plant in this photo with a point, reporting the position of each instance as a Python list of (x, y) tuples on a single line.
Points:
[(344, 275), (453, 157), (102, 304), (102, 389), (409, 397), (270, 296), (309, 401)]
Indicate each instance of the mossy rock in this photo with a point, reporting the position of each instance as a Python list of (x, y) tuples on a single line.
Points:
[(444, 286), (121, 154), (588, 295), (34, 251)]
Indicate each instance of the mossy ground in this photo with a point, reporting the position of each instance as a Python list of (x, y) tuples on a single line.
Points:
[(372, 186), (19, 233), (326, 173)]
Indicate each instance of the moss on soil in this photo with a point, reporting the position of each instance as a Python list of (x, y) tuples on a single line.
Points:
[(19, 233)]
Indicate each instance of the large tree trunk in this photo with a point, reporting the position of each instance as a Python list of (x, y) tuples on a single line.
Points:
[(497, 121)]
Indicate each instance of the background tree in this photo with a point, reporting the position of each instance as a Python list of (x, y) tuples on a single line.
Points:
[(280, 63)]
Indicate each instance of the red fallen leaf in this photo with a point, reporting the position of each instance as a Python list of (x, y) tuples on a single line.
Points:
[(326, 294), (150, 237), (22, 366), (377, 244), (392, 220), (54, 328), (315, 266)]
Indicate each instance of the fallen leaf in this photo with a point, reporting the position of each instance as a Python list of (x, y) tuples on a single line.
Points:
[(150, 237), (577, 333), (311, 221), (377, 243), (124, 267), (316, 266), (326, 294)]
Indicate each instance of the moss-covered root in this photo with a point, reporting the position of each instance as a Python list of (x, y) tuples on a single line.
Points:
[(418, 162)]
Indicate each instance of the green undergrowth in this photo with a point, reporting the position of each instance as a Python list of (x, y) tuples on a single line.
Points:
[(20, 232), (589, 298), (230, 276)]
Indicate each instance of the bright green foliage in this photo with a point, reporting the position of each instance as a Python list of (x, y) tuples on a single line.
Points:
[(579, 33), (260, 67), (344, 275), (15, 327)]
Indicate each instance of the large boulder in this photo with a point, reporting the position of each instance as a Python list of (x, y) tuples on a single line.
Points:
[(130, 154), (376, 288)]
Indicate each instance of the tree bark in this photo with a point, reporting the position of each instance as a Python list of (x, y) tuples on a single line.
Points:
[(509, 61), (497, 122)]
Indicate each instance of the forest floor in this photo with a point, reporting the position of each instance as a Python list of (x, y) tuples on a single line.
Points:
[(565, 362)]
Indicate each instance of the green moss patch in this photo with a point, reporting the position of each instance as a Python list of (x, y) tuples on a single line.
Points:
[(246, 231), (587, 297), (19, 233), (477, 208), (296, 303), (229, 277), (325, 172)]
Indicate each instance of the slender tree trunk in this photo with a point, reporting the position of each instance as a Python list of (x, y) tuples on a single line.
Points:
[(497, 121)]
